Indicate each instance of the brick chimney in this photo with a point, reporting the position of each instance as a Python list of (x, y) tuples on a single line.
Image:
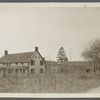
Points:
[(36, 49), (6, 52)]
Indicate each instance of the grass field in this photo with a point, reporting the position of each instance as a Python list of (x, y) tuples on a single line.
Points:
[(50, 83)]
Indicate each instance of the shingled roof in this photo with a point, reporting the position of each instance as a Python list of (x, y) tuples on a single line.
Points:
[(81, 63), (18, 57), (52, 63), (86, 64)]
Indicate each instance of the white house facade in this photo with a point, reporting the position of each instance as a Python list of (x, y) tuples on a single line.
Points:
[(28, 63)]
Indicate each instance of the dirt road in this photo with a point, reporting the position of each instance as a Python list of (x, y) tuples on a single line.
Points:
[(96, 90)]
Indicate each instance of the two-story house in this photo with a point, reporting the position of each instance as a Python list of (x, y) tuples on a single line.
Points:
[(22, 63)]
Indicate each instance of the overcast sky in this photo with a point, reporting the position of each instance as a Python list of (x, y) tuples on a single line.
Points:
[(23, 28)]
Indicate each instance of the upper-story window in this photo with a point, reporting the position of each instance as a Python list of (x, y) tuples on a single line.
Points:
[(41, 62), (16, 63), (38, 57), (35, 56), (32, 62)]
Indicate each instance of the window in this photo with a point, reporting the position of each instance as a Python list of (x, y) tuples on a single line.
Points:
[(24, 71), (35, 56), (87, 70), (41, 70), (32, 62), (22, 63), (16, 71), (41, 62), (3, 63), (32, 71), (38, 57), (16, 63), (9, 71)]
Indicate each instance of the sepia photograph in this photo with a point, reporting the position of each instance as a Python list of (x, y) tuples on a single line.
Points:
[(49, 49)]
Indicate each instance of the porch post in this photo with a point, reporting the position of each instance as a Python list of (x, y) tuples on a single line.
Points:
[(22, 71), (3, 72)]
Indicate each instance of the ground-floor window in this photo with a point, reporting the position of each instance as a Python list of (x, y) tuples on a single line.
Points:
[(9, 71), (16, 71), (24, 70), (41, 70), (32, 71)]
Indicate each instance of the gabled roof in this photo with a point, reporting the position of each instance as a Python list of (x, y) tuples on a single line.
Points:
[(18, 57)]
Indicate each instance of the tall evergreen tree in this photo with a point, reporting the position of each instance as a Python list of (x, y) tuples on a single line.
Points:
[(61, 56)]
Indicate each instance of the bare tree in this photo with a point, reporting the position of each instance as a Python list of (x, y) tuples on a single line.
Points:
[(92, 53)]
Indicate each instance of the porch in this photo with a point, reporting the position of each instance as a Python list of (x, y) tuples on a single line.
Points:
[(12, 70)]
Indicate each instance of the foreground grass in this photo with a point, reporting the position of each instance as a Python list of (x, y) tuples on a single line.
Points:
[(50, 83)]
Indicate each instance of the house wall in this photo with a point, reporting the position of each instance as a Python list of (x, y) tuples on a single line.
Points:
[(18, 64), (53, 67), (4, 71), (37, 67), (13, 71), (37, 58), (1, 72)]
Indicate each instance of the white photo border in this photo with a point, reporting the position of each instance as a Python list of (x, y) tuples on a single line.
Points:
[(50, 95)]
